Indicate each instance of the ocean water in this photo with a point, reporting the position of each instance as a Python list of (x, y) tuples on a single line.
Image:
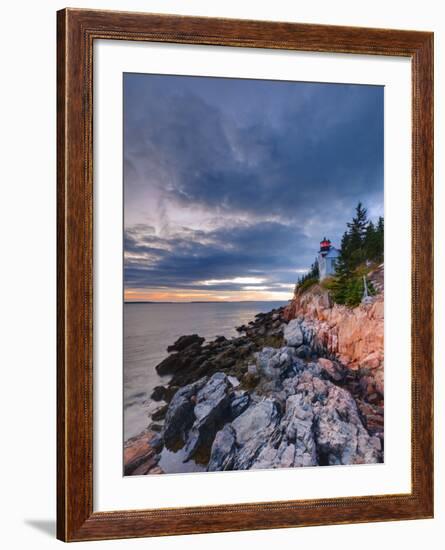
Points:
[(150, 328)]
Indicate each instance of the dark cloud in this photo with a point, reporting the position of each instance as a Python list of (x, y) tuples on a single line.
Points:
[(264, 250), (292, 159)]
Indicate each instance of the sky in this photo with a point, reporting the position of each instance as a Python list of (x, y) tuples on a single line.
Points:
[(230, 184)]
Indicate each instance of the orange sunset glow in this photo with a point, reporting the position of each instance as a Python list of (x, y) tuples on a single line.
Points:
[(183, 295)]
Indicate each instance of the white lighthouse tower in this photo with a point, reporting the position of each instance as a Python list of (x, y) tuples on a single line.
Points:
[(327, 257)]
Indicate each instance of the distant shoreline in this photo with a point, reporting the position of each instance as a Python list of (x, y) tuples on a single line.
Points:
[(213, 302)]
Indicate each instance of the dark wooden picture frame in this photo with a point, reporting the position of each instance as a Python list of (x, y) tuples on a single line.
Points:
[(77, 31)]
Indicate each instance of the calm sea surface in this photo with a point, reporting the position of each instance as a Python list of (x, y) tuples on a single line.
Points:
[(150, 328)]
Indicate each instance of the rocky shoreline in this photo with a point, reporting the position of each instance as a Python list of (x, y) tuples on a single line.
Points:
[(278, 395)]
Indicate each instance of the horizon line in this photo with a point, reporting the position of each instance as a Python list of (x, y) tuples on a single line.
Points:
[(200, 301)]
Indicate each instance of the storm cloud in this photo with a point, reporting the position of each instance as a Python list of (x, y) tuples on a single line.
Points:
[(235, 180)]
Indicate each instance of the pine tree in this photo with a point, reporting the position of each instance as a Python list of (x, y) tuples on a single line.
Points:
[(309, 279), (371, 242), (356, 237), (363, 241), (380, 239)]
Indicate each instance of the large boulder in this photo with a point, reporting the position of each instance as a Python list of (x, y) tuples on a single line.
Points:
[(211, 409), (340, 435), (141, 454), (189, 358), (180, 414), (273, 363), (293, 335), (295, 445), (185, 341), (310, 421), (253, 430), (238, 444), (223, 450)]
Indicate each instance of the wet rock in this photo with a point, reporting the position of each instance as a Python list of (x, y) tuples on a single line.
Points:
[(189, 358), (159, 393), (139, 451), (212, 405), (261, 331), (169, 365), (293, 335), (185, 341), (223, 450), (180, 414), (164, 393), (239, 404), (157, 442), (159, 413)]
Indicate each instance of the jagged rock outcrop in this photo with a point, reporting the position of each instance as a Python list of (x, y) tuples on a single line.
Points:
[(198, 410), (185, 341), (301, 386), (293, 335), (252, 429), (212, 406), (319, 424), (273, 362), (353, 336), (180, 414)]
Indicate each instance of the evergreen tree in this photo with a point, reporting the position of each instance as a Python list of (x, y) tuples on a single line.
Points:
[(354, 252), (362, 242), (309, 279), (380, 239), (371, 244)]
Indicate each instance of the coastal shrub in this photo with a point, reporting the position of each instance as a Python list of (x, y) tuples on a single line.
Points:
[(348, 289), (306, 284), (310, 278)]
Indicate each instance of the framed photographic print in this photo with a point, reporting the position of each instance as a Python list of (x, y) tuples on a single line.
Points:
[(245, 228)]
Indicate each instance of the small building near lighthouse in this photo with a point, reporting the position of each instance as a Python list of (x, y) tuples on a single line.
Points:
[(327, 258)]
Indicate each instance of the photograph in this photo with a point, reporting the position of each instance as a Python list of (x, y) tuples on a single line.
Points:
[(253, 274)]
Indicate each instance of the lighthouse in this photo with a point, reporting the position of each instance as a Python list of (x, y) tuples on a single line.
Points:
[(327, 257)]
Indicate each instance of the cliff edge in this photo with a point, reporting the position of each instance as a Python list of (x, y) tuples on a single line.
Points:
[(352, 336)]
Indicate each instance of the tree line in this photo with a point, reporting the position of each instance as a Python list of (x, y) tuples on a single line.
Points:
[(362, 247)]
